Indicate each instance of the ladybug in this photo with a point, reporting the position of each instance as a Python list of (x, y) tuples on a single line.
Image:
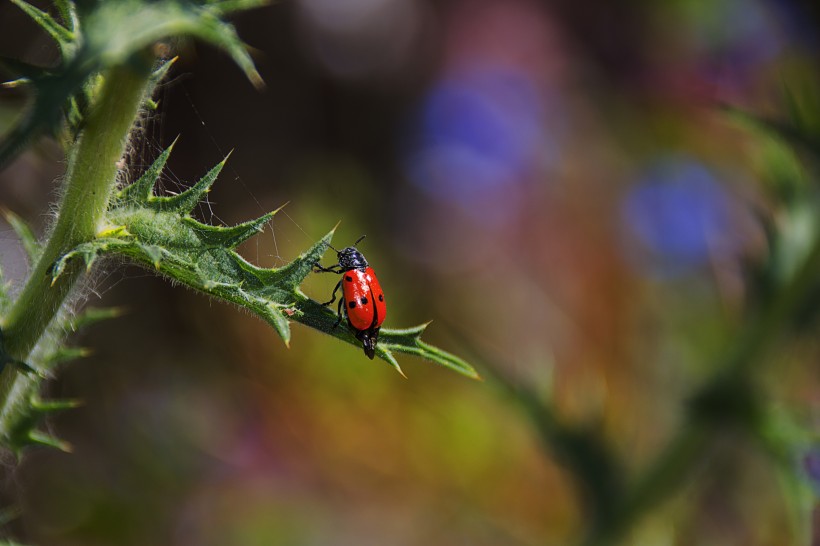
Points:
[(362, 296)]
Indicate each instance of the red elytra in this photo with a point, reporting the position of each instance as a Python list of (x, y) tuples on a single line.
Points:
[(364, 299)]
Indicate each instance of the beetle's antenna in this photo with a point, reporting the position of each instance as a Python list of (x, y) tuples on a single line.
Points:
[(359, 240)]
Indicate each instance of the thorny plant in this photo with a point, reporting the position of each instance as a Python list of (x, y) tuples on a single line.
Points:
[(90, 101)]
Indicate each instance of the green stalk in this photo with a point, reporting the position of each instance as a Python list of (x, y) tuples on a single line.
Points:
[(683, 454), (91, 176)]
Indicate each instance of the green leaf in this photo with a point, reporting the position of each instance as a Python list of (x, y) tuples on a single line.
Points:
[(68, 13), (26, 235), (66, 354), (93, 315), (229, 237), (143, 188), (19, 426), (274, 314), (187, 200), (113, 34), (154, 254), (223, 36), (293, 274), (223, 7), (51, 93), (87, 252), (162, 70), (116, 30), (58, 32), (409, 341), (39, 438), (45, 407), (23, 432), (159, 233)]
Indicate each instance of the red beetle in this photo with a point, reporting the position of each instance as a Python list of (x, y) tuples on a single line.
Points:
[(362, 296)]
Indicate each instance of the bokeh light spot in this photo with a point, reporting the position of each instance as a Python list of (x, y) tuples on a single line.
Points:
[(476, 133), (678, 214)]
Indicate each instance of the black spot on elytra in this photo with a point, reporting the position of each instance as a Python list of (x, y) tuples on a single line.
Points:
[(348, 278), (381, 297), (364, 301), (352, 304)]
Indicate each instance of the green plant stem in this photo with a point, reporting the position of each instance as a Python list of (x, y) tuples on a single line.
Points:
[(91, 177), (683, 454)]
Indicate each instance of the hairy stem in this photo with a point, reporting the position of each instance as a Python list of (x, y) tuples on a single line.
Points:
[(91, 176)]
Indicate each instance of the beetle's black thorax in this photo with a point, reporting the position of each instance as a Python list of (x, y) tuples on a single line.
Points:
[(351, 258)]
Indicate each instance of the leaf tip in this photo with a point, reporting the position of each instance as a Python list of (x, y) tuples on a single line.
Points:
[(12, 84), (285, 204), (37, 438), (388, 357), (473, 374), (51, 406), (256, 80), (117, 311)]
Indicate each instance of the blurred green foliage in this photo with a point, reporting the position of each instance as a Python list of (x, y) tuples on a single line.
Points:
[(652, 390)]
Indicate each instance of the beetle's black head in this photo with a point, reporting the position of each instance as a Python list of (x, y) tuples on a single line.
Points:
[(351, 258)]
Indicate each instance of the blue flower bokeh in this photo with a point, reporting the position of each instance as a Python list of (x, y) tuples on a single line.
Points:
[(477, 134), (679, 214)]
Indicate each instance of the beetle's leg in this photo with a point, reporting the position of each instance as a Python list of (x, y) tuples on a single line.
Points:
[(317, 268), (338, 285), (339, 311)]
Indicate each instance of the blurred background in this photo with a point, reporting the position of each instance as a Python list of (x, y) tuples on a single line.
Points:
[(552, 183)]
